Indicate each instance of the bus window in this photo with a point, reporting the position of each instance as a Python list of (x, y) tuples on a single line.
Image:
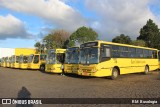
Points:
[(145, 53), (36, 59), (25, 59), (154, 54), (123, 52), (43, 57), (105, 53), (60, 58), (115, 51), (150, 54), (139, 53), (17, 59), (133, 52)]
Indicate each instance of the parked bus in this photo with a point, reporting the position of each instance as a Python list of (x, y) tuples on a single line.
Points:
[(6, 59), (37, 61), (18, 52), (55, 60), (100, 58), (15, 61), (23, 61), (2, 62), (9, 62), (71, 64)]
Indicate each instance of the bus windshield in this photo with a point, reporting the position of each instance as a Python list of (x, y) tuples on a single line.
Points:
[(30, 59), (6, 59), (9, 60), (15, 59), (89, 55), (72, 56), (51, 58), (23, 59), (2, 60)]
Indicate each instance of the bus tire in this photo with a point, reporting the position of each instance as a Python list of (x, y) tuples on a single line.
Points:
[(146, 70), (42, 68), (114, 73)]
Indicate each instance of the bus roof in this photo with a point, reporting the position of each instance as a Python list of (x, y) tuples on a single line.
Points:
[(120, 44)]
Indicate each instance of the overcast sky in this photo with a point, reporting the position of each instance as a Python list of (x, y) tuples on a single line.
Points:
[(23, 22)]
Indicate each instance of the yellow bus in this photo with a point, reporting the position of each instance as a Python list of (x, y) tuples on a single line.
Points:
[(18, 52), (3, 61), (23, 61), (37, 61), (6, 61), (9, 62), (55, 60), (0, 62), (100, 58), (71, 64), (10, 59), (15, 61)]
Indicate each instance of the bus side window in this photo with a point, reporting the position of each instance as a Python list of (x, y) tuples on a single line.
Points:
[(150, 54), (145, 53), (132, 52), (154, 54), (43, 57), (105, 53)]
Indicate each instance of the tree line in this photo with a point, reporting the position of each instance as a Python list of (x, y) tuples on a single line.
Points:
[(63, 39), (149, 37)]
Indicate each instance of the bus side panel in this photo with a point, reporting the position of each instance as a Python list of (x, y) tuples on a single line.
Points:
[(67, 68), (153, 64), (55, 68)]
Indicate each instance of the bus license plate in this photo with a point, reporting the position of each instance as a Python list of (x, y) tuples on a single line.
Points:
[(84, 73)]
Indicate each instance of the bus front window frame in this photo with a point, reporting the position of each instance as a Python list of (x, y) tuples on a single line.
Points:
[(36, 59), (30, 59), (21, 59), (72, 56), (89, 55), (25, 59), (51, 58)]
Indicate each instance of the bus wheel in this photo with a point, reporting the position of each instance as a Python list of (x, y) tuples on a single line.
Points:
[(114, 74), (42, 68), (146, 70)]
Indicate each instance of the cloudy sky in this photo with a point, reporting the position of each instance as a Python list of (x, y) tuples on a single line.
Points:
[(23, 22)]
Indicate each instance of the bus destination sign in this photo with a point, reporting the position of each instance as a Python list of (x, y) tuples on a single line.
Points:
[(90, 44)]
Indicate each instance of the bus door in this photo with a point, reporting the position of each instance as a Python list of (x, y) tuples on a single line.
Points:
[(36, 61), (43, 59), (60, 61), (105, 58)]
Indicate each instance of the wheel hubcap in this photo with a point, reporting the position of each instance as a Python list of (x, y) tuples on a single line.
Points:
[(42, 68), (115, 74)]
